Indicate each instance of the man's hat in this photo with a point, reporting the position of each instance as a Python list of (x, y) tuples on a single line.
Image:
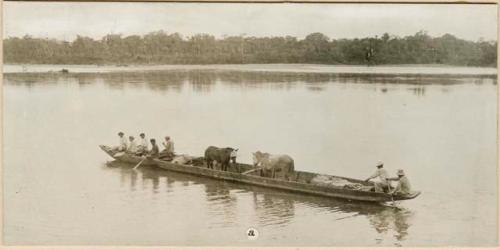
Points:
[(401, 172), (142, 134), (380, 164), (120, 133)]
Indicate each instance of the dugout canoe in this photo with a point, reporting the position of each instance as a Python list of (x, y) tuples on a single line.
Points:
[(302, 183)]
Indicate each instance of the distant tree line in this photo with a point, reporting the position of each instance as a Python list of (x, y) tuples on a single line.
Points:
[(163, 48)]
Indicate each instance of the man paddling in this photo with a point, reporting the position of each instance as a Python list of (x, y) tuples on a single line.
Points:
[(382, 174), (403, 187)]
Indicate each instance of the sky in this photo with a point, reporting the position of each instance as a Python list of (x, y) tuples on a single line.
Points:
[(66, 20)]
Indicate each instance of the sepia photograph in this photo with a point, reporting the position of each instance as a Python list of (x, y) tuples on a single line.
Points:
[(249, 124)]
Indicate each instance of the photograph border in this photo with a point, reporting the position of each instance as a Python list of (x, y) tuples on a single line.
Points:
[(127, 247)]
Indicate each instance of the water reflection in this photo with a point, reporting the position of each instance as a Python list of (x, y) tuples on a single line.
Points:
[(272, 207), (148, 177), (205, 80), (272, 210), (418, 91), (391, 218)]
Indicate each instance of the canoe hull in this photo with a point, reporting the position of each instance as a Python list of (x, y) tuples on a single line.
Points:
[(127, 158), (334, 192)]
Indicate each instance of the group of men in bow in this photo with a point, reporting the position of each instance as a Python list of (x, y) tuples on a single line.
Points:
[(141, 148)]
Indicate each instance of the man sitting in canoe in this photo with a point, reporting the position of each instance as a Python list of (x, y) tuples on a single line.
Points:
[(403, 187), (132, 147), (383, 184), (167, 153), (154, 149), (142, 147), (122, 144)]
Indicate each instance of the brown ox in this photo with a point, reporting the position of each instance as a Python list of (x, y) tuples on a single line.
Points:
[(220, 155)]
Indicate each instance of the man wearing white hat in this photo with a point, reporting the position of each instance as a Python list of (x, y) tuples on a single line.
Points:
[(403, 186), (122, 145), (382, 174)]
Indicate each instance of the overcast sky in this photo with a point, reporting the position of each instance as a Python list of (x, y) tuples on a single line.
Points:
[(66, 20)]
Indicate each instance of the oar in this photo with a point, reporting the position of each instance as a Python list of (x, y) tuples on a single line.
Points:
[(389, 188), (251, 170), (138, 164)]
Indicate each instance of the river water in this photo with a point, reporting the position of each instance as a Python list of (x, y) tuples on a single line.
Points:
[(59, 188)]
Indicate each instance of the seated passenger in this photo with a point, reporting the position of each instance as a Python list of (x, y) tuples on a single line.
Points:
[(403, 187), (122, 143), (154, 149), (142, 147), (132, 147), (167, 153)]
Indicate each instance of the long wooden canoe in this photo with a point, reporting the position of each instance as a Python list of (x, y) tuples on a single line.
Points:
[(304, 182)]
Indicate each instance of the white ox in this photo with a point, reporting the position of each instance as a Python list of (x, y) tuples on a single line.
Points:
[(275, 166)]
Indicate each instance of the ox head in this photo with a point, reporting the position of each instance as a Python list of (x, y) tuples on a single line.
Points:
[(259, 158), (231, 151)]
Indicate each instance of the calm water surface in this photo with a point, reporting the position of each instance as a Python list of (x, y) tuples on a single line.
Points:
[(59, 188)]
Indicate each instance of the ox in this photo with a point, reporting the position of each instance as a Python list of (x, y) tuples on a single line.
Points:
[(273, 164), (220, 155)]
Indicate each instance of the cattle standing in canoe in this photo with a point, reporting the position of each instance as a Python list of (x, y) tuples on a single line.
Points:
[(220, 155), (272, 164)]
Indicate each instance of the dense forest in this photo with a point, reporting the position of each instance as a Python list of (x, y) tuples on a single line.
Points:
[(164, 48)]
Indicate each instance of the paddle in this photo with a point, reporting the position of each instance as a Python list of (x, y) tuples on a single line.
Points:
[(138, 164), (389, 188), (251, 170)]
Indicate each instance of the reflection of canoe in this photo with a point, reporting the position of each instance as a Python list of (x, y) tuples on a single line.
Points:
[(122, 157), (302, 182)]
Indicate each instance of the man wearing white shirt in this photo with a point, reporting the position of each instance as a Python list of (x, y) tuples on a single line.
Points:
[(122, 143), (169, 146), (142, 148), (132, 147), (168, 152), (382, 174)]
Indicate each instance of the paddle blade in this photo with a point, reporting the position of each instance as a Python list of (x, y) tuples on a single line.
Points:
[(138, 164)]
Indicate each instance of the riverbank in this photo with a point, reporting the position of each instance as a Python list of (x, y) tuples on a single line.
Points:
[(278, 68)]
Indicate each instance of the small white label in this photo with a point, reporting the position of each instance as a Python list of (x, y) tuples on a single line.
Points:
[(252, 233)]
